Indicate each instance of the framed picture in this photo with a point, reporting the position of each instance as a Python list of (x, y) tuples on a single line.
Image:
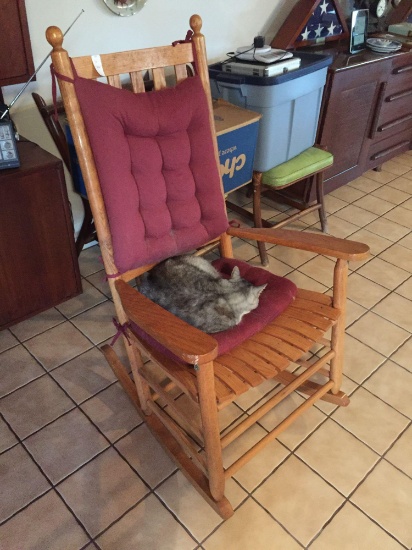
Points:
[(359, 30), (312, 22)]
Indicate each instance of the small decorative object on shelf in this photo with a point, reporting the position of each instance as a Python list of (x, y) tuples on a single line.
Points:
[(312, 22), (359, 29)]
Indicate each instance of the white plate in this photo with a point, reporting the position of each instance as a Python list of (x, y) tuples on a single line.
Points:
[(383, 50), (383, 43), (125, 8)]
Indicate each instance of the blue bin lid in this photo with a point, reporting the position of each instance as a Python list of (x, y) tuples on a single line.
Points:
[(310, 62)]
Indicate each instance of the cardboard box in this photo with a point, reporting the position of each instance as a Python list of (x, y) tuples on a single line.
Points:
[(237, 132)]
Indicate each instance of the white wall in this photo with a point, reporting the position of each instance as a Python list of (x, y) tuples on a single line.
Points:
[(226, 25)]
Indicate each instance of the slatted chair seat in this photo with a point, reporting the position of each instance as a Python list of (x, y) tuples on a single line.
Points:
[(263, 356), (151, 169)]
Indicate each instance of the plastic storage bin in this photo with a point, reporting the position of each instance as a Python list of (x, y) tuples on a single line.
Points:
[(289, 104)]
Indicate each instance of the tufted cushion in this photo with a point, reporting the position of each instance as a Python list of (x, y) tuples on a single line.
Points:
[(274, 299), (155, 160)]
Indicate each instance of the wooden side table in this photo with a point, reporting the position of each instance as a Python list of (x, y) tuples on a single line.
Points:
[(38, 260)]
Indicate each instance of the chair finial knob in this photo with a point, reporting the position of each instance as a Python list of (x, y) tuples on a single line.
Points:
[(54, 37), (196, 23)]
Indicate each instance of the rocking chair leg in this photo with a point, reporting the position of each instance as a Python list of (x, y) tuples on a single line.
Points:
[(338, 331), (118, 368), (321, 201), (195, 477), (257, 214), (142, 387), (211, 433)]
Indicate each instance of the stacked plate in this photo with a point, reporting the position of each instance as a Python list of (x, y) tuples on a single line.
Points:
[(383, 45)]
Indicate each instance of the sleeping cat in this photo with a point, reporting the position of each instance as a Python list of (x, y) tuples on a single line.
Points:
[(192, 289)]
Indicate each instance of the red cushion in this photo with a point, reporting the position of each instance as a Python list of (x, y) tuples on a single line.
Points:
[(155, 160), (274, 299)]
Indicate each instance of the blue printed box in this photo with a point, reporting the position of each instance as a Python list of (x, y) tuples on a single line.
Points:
[(237, 131)]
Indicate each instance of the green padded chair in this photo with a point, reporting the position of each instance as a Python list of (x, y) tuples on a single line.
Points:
[(307, 167)]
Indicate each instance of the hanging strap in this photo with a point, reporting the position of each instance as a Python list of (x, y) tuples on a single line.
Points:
[(235, 223), (55, 74), (188, 40)]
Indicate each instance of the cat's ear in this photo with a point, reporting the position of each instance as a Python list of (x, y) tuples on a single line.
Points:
[(260, 289), (235, 273)]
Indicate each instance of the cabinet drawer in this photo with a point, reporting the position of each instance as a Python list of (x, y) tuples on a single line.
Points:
[(396, 110), (396, 114), (400, 78), (385, 149)]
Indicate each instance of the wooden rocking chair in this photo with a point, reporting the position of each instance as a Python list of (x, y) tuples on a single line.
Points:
[(151, 169)]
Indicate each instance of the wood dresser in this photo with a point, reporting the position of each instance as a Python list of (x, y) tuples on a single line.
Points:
[(38, 260), (366, 113)]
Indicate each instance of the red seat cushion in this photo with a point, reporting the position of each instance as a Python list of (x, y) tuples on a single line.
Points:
[(155, 160), (276, 297)]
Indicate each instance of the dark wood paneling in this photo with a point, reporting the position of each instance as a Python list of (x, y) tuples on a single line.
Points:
[(351, 115)]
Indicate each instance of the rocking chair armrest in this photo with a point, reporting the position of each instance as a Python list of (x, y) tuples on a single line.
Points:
[(321, 244), (188, 343)]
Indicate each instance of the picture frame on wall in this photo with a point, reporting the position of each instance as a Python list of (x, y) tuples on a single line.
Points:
[(312, 22)]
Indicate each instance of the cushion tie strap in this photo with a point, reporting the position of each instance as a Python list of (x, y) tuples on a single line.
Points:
[(108, 276), (121, 330), (112, 276), (55, 74), (188, 39), (235, 223)]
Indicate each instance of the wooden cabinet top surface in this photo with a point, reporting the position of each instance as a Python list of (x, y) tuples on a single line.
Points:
[(343, 60), (32, 158)]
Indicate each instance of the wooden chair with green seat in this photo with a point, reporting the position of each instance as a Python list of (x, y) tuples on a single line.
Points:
[(308, 166), (152, 173)]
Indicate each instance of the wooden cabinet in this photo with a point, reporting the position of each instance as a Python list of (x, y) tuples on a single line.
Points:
[(366, 114), (393, 128), (16, 60), (38, 260)]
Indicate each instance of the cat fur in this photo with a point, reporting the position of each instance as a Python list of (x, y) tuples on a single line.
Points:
[(193, 290)]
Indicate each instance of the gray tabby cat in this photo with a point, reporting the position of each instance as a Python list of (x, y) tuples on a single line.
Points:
[(192, 289)]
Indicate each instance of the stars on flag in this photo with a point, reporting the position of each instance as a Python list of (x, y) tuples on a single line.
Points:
[(323, 22)]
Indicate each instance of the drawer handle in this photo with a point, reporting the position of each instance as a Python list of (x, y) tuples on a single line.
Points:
[(403, 69), (378, 108), (400, 95), (385, 152), (394, 122)]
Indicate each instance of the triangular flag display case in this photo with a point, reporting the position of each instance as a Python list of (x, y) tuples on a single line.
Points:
[(312, 22), (402, 11)]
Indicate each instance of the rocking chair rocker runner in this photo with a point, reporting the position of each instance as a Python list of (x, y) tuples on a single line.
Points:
[(151, 169)]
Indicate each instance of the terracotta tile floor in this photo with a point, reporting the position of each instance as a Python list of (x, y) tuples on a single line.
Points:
[(78, 469)]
